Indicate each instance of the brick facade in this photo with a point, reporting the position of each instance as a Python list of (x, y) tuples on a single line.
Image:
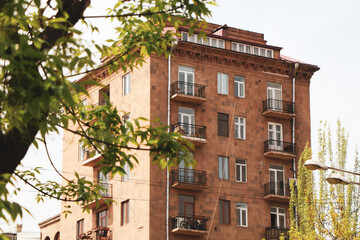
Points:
[(146, 188)]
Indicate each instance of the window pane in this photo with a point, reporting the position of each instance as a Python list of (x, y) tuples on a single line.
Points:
[(214, 42), (248, 49), (226, 212), (243, 173), (241, 48), (269, 53), (238, 173), (223, 124), (221, 216), (234, 46), (256, 51), (184, 36), (226, 168), (221, 44), (220, 168), (243, 218), (262, 52)]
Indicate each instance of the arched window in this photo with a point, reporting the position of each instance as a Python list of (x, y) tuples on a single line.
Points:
[(47, 238), (57, 236)]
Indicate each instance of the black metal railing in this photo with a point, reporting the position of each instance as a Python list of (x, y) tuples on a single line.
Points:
[(188, 176), (280, 146), (278, 106), (272, 233), (99, 233), (106, 190), (190, 130), (277, 188), (192, 223), (190, 89)]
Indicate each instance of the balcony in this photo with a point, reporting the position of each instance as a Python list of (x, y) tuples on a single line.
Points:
[(274, 233), (277, 191), (279, 149), (191, 226), (102, 102), (191, 132), (278, 109), (106, 193), (99, 233), (188, 92), (188, 179), (90, 157)]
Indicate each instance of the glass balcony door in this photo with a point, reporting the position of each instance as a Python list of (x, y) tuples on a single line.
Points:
[(187, 120), (277, 186), (275, 136), (274, 96), (186, 80)]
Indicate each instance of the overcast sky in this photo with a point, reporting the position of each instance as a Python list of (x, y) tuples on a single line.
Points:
[(314, 31)]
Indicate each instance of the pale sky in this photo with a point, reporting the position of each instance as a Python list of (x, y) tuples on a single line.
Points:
[(313, 31)]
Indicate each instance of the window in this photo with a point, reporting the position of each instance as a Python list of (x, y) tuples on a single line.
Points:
[(81, 151), (214, 42), (239, 86), (125, 119), (186, 80), (125, 212), (241, 214), (222, 83), (240, 170), (84, 102), (223, 167), (126, 84), (277, 184), (79, 227), (251, 50), (126, 175), (274, 97), (102, 218), (278, 217), (103, 180), (275, 136), (224, 212), (186, 206), (240, 128), (187, 120), (223, 124)]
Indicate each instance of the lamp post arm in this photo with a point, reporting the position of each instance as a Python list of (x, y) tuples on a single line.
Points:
[(341, 170)]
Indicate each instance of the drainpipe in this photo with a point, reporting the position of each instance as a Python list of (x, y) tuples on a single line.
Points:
[(296, 67), (168, 123)]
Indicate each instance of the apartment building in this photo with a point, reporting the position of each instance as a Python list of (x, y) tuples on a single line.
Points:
[(245, 107)]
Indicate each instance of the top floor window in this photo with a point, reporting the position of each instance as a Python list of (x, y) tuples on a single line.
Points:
[(209, 41), (239, 47)]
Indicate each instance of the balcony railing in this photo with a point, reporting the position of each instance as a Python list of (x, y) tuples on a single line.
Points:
[(279, 149), (190, 89), (277, 188), (107, 189), (189, 225), (279, 106), (188, 178), (188, 92), (272, 233), (99, 233), (190, 130)]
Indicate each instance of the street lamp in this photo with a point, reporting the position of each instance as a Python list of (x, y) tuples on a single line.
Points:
[(334, 178)]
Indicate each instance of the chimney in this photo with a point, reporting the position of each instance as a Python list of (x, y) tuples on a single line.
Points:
[(18, 228)]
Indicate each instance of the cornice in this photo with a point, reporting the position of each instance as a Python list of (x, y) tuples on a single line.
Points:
[(243, 60)]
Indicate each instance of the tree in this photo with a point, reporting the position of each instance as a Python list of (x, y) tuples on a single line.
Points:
[(319, 210), (42, 51)]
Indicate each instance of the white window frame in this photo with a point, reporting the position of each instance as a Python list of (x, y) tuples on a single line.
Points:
[(126, 176), (278, 214), (238, 82), (126, 84), (81, 151), (258, 51), (223, 171), (240, 125), (240, 209), (210, 41), (223, 83), (238, 164)]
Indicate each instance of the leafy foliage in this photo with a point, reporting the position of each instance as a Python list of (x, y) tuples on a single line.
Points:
[(325, 211), (41, 49)]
